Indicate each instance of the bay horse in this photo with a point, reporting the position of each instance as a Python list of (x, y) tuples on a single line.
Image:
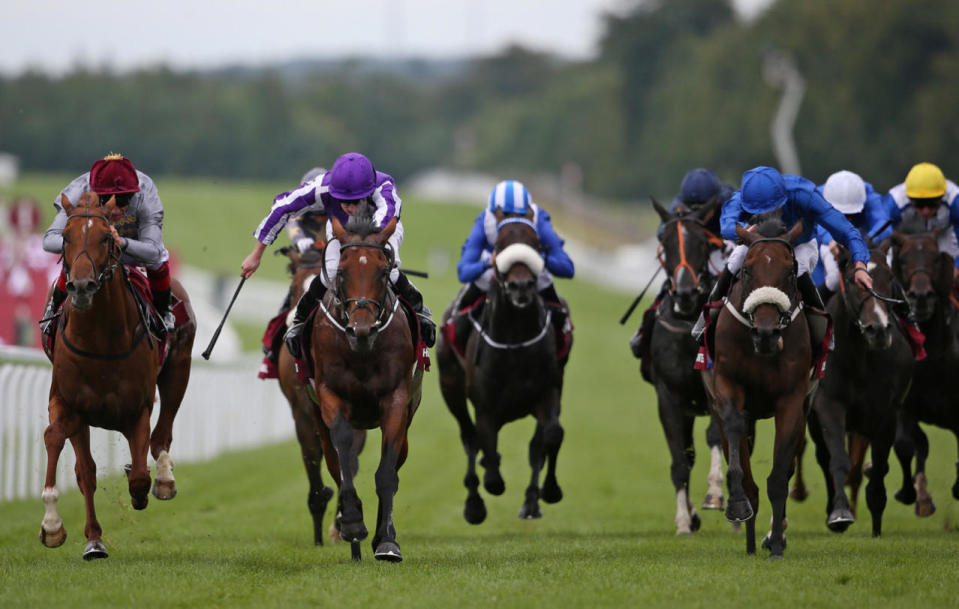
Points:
[(926, 274), (685, 246), (761, 369), (307, 419), (106, 371), (367, 376), (510, 371), (867, 378)]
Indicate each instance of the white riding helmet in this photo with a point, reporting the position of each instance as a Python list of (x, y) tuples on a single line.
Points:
[(845, 191)]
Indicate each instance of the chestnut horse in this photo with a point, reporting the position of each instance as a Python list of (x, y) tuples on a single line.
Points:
[(366, 376), (105, 372), (866, 380), (306, 414), (510, 371), (926, 274), (762, 369), (685, 247)]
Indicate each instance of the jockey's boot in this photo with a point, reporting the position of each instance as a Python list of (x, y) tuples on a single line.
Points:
[(720, 289), (818, 322), (408, 292), (49, 314), (639, 343), (307, 303), (161, 302), (560, 314)]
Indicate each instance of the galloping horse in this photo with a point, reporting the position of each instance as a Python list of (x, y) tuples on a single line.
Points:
[(866, 380), (762, 369), (366, 376), (105, 372), (685, 246), (927, 277), (510, 371), (306, 414)]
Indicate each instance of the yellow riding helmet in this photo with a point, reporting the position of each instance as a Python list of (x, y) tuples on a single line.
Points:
[(925, 181)]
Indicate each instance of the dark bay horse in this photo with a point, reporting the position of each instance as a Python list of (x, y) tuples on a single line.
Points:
[(685, 247), (106, 371), (510, 371), (366, 376), (762, 369), (867, 377), (926, 274), (306, 413)]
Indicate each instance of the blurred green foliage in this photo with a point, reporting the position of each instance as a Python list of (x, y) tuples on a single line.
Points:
[(676, 85)]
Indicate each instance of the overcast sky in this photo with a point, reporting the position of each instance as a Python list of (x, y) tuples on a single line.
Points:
[(54, 35)]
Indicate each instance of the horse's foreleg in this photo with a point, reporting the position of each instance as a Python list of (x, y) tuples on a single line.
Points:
[(714, 496), (751, 491), (828, 427), (799, 491), (52, 531), (171, 384), (955, 486), (733, 423), (552, 439), (905, 448), (86, 470), (392, 456), (453, 388), (925, 506), (857, 446), (305, 419), (678, 429), (487, 433), (333, 467), (537, 457), (790, 431), (876, 488), (352, 528), (138, 478)]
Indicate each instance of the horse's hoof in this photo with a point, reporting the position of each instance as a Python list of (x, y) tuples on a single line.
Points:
[(335, 534), (955, 490), (767, 544), (388, 551), (839, 520), (737, 527), (164, 490), (775, 557), (54, 539), (475, 510), (353, 531), (713, 502), (694, 522), (530, 511), (799, 493), (551, 492), (94, 549), (493, 483), (924, 508), (906, 495), (739, 510), (140, 503)]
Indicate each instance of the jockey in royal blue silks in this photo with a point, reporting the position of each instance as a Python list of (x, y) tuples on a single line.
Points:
[(351, 182), (475, 267), (699, 188), (763, 190)]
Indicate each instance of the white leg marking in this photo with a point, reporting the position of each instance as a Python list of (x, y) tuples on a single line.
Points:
[(164, 467), (51, 520), (683, 519), (715, 477)]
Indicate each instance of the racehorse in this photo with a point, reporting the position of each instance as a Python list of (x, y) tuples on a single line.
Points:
[(867, 378), (366, 376), (510, 371), (106, 371), (762, 369), (685, 247), (306, 414), (926, 274)]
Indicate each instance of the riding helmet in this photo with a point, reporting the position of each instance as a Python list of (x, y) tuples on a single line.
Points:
[(511, 197), (763, 190), (352, 177)]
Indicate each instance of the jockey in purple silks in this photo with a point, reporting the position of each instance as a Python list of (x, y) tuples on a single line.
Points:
[(350, 182)]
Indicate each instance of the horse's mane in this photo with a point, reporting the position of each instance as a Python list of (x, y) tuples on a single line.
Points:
[(913, 226), (88, 201), (362, 223), (770, 224)]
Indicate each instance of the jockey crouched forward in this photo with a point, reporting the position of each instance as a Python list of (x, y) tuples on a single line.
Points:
[(764, 190), (476, 266), (699, 188), (339, 192), (138, 231)]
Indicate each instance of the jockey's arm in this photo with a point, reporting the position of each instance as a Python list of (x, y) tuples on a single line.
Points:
[(285, 205), (148, 246), (472, 263), (53, 238), (732, 210), (558, 261), (841, 230)]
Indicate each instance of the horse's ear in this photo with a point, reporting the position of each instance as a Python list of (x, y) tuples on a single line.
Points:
[(65, 203), (386, 232), (945, 267), (112, 211), (706, 211), (529, 213), (499, 215), (664, 215), (338, 231), (897, 238), (795, 232), (745, 236), (885, 245)]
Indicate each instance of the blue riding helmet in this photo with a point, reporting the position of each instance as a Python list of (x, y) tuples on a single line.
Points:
[(352, 177), (511, 197), (699, 185), (763, 189)]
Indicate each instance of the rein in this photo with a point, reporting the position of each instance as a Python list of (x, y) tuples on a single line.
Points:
[(362, 303), (107, 272), (509, 346), (787, 316)]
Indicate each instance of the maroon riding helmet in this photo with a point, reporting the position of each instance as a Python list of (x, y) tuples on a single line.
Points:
[(114, 175)]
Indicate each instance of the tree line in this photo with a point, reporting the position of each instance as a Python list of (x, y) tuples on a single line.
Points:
[(676, 84)]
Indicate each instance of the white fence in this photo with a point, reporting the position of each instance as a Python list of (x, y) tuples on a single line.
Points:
[(225, 408)]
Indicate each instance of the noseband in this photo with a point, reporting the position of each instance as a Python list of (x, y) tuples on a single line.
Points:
[(683, 262), (871, 293), (107, 273), (349, 306), (787, 313)]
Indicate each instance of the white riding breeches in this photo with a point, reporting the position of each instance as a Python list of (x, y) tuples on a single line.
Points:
[(807, 255)]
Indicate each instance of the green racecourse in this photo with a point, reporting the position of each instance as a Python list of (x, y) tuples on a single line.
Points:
[(239, 535)]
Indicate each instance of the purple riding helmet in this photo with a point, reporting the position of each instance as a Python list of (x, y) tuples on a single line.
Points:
[(352, 177)]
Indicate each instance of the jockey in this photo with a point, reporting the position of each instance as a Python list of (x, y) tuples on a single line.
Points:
[(475, 267), (339, 192), (699, 187), (139, 229), (864, 209), (929, 199), (764, 190)]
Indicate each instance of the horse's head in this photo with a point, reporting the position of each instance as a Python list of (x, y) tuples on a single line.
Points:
[(360, 287), (518, 258), (769, 283), (684, 255), (868, 310), (90, 254), (924, 271)]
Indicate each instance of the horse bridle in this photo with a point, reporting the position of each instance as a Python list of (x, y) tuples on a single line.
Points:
[(525, 222), (349, 306), (870, 293), (113, 252), (683, 262), (785, 317)]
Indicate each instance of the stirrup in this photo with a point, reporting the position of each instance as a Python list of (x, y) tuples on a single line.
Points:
[(169, 321), (292, 339), (700, 327)]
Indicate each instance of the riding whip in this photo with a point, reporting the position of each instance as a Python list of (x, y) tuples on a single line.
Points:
[(423, 274), (216, 334), (632, 307)]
